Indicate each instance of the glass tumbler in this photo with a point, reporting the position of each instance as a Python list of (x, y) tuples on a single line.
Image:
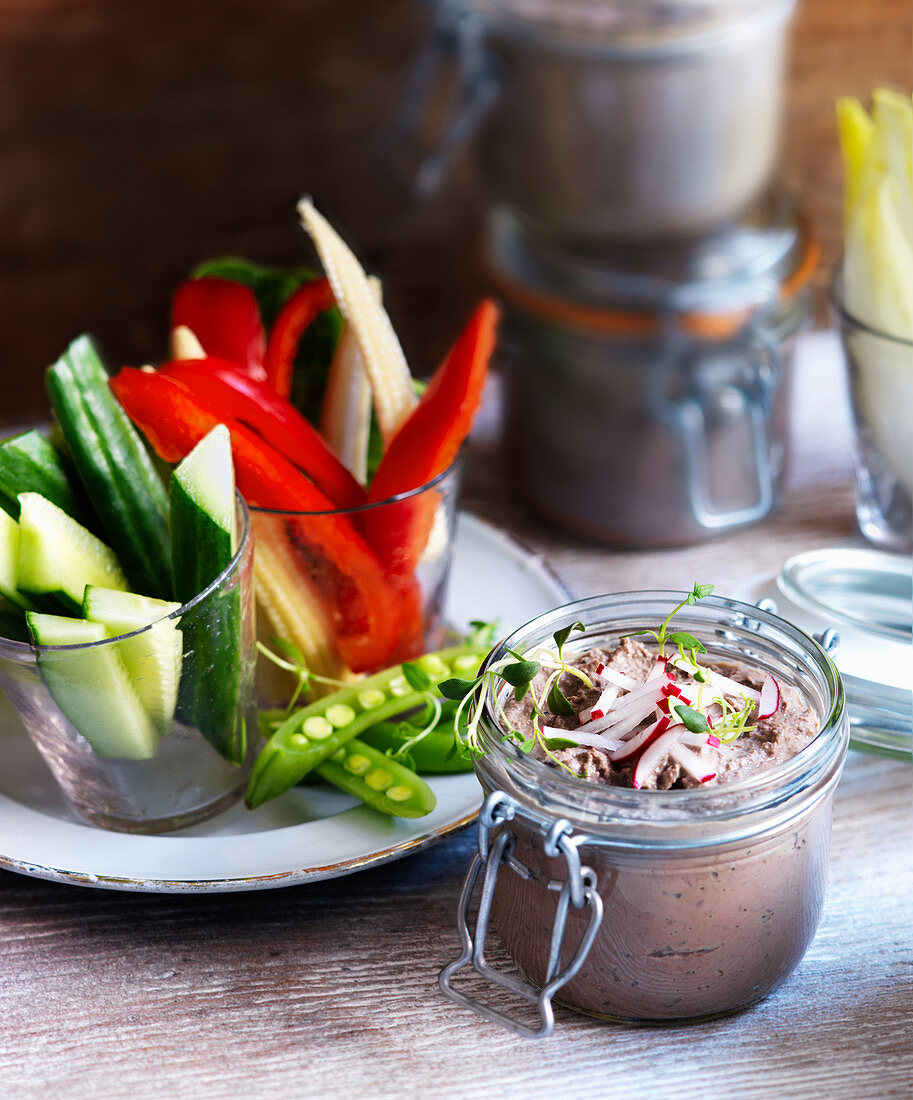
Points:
[(355, 590), (172, 776), (880, 373), (654, 905)]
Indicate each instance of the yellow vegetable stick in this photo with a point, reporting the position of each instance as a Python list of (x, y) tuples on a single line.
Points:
[(288, 608), (345, 415), (878, 266), (856, 132), (385, 364), (893, 117), (185, 345)]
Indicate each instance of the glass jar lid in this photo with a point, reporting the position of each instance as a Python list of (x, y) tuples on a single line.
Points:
[(865, 597)]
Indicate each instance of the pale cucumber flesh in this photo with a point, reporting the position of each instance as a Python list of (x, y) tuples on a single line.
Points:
[(9, 561), (152, 657), (58, 556), (92, 688)]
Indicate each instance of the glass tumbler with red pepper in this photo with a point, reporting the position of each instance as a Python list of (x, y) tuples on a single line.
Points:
[(353, 495)]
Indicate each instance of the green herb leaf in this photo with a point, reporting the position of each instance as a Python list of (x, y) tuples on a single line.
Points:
[(520, 674), (692, 719), (520, 692), (555, 743), (481, 633), (558, 702), (699, 591), (416, 677), (455, 688), (289, 649), (561, 636), (527, 746), (686, 641)]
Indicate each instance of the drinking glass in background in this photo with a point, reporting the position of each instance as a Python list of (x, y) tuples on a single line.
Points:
[(203, 655), (353, 590), (880, 374), (873, 297)]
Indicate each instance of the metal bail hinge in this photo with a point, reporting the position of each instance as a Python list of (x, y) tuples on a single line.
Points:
[(577, 889)]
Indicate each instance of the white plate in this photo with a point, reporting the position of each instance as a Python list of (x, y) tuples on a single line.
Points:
[(306, 835)]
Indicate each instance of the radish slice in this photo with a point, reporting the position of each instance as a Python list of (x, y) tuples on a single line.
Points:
[(721, 683), (618, 678), (591, 740), (631, 748), (601, 707), (659, 669), (623, 718), (653, 756), (691, 763), (769, 699)]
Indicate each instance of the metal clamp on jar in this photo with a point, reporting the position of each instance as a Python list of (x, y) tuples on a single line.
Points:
[(647, 404)]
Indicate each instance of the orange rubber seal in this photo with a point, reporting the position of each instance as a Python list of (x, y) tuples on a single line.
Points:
[(620, 322)]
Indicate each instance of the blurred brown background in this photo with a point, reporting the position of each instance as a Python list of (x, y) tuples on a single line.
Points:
[(137, 138)]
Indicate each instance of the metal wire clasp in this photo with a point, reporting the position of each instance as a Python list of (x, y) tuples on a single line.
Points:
[(577, 889)]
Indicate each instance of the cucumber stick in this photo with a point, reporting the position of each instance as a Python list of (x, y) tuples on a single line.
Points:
[(9, 561), (114, 466), (152, 656), (58, 557), (29, 463), (92, 687), (202, 546)]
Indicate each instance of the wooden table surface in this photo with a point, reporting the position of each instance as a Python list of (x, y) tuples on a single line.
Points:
[(139, 137)]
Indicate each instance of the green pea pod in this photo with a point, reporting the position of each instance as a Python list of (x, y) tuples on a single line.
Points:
[(432, 755), (381, 783), (315, 732)]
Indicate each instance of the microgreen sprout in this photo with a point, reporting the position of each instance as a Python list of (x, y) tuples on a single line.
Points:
[(680, 638), (296, 664), (519, 672)]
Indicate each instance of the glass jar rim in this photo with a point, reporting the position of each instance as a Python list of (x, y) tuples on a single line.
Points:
[(741, 800), (361, 509), (11, 648), (840, 307), (594, 27)]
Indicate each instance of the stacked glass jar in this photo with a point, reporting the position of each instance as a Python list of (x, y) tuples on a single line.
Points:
[(654, 278)]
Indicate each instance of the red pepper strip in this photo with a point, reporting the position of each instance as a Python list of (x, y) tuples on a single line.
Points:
[(255, 404), (426, 445), (364, 606), (225, 318), (294, 319)]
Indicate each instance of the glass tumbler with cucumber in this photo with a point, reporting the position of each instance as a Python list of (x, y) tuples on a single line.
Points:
[(126, 610)]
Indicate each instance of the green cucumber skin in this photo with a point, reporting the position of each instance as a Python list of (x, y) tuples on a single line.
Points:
[(201, 549), (211, 684), (12, 624), (29, 463), (114, 467)]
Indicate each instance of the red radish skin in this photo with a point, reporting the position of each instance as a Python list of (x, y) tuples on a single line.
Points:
[(639, 742), (769, 701)]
